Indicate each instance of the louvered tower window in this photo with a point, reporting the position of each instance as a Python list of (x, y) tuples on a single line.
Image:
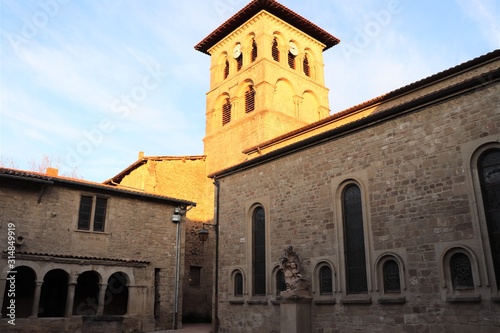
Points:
[(307, 69), (226, 69), (254, 50), (226, 112), (291, 60), (275, 51), (239, 62), (250, 99)]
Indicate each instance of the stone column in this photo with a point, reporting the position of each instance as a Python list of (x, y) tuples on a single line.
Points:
[(295, 312), (70, 299), (132, 300), (36, 299), (100, 303)]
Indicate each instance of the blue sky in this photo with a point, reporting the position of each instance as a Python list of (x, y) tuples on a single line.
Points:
[(68, 69)]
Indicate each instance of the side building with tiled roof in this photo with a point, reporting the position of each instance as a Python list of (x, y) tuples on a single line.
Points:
[(73, 248)]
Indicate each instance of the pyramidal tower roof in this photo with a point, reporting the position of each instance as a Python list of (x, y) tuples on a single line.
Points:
[(277, 10)]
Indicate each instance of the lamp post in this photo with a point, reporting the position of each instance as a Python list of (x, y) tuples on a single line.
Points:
[(203, 236)]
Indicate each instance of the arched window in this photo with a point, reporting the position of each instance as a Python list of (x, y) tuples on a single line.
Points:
[(53, 294), (239, 62), (390, 273), (226, 69), (116, 297), (307, 69), (280, 282), (238, 284), (325, 280), (254, 50), (226, 112), (461, 272), (291, 60), (489, 175), (354, 240), (275, 51), (249, 99), (259, 251)]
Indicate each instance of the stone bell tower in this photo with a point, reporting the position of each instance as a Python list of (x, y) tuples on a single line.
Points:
[(266, 79)]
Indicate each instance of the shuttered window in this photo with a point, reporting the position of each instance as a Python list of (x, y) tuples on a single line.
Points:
[(254, 50), (226, 112), (307, 69), (291, 60), (226, 69), (239, 62), (250, 99), (275, 51)]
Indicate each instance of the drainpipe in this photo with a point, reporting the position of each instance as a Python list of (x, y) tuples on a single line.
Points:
[(216, 284), (176, 218)]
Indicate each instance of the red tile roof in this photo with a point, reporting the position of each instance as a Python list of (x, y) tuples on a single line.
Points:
[(274, 8), (32, 176)]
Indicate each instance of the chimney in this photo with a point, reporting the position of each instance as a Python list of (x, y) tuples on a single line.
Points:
[(141, 155), (52, 171)]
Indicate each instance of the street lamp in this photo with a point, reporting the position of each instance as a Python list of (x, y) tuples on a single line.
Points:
[(203, 233)]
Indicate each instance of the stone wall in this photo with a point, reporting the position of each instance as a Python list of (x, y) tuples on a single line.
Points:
[(185, 177), (416, 175), (139, 237)]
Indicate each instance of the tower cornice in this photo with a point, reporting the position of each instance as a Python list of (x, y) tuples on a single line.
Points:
[(277, 10)]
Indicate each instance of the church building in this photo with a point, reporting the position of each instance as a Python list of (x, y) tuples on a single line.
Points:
[(391, 205)]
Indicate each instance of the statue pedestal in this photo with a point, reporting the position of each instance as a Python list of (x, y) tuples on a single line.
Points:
[(295, 311)]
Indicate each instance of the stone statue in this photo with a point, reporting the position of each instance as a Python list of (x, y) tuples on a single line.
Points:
[(290, 265)]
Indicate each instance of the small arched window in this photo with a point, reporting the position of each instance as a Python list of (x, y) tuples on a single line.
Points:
[(238, 284), (307, 69), (250, 99), (226, 112), (254, 51), (461, 272), (325, 281), (291, 60), (275, 51), (226, 69), (392, 282)]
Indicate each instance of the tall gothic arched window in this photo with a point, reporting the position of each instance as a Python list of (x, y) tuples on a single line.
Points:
[(239, 62), (354, 240), (259, 251), (489, 175)]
